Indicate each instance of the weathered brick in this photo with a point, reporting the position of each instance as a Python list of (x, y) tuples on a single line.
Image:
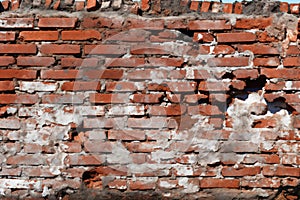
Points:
[(18, 99), (209, 24), (7, 36), (281, 73), (109, 98), (121, 86), (173, 86), (79, 62), (259, 49), (38, 35), (153, 122), (10, 123), (204, 110), (29, 160), (140, 23), (243, 171), (170, 110), (147, 98), (57, 22), (81, 35), (80, 86), (63, 99), (17, 23), (35, 61), (228, 62), (253, 23), (84, 160), (126, 135), (105, 49), (266, 62), (246, 73), (124, 62), (291, 62), (50, 49), (37, 86)]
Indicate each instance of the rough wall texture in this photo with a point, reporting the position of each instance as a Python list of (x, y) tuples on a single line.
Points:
[(103, 104)]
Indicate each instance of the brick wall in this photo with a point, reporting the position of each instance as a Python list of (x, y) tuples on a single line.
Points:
[(149, 100)]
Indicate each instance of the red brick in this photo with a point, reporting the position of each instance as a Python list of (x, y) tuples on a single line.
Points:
[(35, 61), (7, 36), (7, 86), (150, 49), (142, 185), (194, 5), (227, 8), (147, 98), (18, 48), (63, 99), (176, 24), (145, 5), (293, 50), (118, 184), (120, 86), (77, 160), (284, 7), (204, 110), (205, 6), (259, 49), (223, 49), (281, 171), (79, 62), (219, 183), (126, 135), (10, 123), (294, 8), (91, 5), (203, 37), (105, 49), (238, 8), (81, 35), (101, 74), (209, 24), (253, 23), (170, 110), (59, 74), (143, 23), (6, 60), (57, 22), (50, 49), (236, 37), (246, 73), (109, 98), (17, 73), (18, 99), (281, 73), (228, 62), (124, 62), (291, 62), (80, 86), (265, 37), (173, 86), (243, 171), (38, 35), (266, 62), (16, 23)]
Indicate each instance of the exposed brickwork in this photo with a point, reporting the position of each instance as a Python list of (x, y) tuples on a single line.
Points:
[(107, 105)]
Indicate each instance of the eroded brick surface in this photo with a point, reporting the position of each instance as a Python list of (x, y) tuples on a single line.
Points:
[(102, 105)]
